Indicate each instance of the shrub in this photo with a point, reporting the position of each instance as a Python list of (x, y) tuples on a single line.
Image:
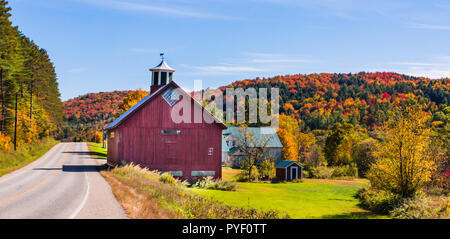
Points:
[(377, 201), (297, 180), (167, 178), (243, 175), (321, 172), (344, 171), (210, 183), (417, 208), (266, 170)]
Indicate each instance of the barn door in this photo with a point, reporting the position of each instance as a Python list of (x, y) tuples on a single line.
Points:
[(171, 150)]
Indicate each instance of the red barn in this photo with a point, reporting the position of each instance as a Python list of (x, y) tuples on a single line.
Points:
[(147, 135)]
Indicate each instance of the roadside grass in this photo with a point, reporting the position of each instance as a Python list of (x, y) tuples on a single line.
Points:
[(310, 199), (96, 150), (143, 195), (13, 160)]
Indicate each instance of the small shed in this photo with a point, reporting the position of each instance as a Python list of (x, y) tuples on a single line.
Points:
[(289, 170)]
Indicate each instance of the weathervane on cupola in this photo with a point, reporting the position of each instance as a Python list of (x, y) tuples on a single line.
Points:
[(162, 74)]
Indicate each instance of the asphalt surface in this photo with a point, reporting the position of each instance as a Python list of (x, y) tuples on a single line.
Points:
[(65, 183)]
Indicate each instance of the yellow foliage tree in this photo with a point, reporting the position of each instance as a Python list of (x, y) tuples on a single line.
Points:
[(403, 165), (131, 99), (287, 131)]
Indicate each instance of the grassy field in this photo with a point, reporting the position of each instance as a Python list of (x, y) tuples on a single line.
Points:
[(310, 199), (10, 161)]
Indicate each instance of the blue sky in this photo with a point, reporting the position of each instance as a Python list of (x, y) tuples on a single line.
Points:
[(106, 45)]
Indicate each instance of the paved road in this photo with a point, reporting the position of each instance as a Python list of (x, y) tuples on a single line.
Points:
[(64, 183)]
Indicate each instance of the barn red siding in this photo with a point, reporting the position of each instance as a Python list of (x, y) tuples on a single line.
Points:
[(139, 139)]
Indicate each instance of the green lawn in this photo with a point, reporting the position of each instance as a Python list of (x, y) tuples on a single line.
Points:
[(310, 199)]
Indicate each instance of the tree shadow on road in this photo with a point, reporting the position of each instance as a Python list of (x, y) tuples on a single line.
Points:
[(77, 168), (95, 155)]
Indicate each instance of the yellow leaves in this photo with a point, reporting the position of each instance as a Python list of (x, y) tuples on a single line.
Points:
[(4, 142), (403, 165), (131, 99)]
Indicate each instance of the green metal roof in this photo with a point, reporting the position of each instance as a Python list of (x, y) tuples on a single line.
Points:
[(285, 164), (260, 134), (224, 145)]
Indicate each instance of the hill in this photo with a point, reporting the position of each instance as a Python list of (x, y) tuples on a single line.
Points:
[(320, 100), (89, 113), (316, 100)]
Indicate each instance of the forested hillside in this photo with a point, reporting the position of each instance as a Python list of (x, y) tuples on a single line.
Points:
[(87, 114), (365, 99), (28, 87)]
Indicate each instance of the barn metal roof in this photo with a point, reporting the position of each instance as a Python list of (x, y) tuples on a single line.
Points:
[(224, 145), (285, 164), (260, 134), (172, 84)]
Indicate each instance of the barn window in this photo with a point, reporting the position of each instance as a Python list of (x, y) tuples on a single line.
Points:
[(170, 131), (210, 151), (163, 78), (155, 78), (171, 96), (111, 135)]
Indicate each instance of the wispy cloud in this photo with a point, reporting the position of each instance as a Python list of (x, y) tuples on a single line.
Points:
[(437, 67), (429, 26), (254, 62), (173, 10)]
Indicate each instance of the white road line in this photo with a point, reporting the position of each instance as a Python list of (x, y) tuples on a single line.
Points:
[(86, 195)]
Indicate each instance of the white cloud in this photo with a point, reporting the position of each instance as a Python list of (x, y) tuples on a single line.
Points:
[(254, 62), (429, 26), (133, 6)]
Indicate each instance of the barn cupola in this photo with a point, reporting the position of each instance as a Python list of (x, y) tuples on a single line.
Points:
[(162, 74)]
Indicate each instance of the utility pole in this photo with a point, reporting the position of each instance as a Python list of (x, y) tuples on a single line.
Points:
[(103, 130), (15, 124)]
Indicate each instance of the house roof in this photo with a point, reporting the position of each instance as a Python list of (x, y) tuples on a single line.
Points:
[(162, 67), (285, 164), (260, 134), (148, 98), (224, 145)]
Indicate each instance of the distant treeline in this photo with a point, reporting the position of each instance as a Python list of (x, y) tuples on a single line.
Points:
[(318, 101), (30, 104)]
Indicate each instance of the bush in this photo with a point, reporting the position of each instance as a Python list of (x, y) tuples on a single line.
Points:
[(243, 175), (377, 201), (210, 183), (297, 180), (321, 172), (167, 178), (417, 208), (344, 171), (266, 170)]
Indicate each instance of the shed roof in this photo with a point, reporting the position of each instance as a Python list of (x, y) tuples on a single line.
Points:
[(148, 98), (285, 164), (260, 134)]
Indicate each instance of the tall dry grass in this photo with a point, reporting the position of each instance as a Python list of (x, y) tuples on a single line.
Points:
[(143, 195)]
